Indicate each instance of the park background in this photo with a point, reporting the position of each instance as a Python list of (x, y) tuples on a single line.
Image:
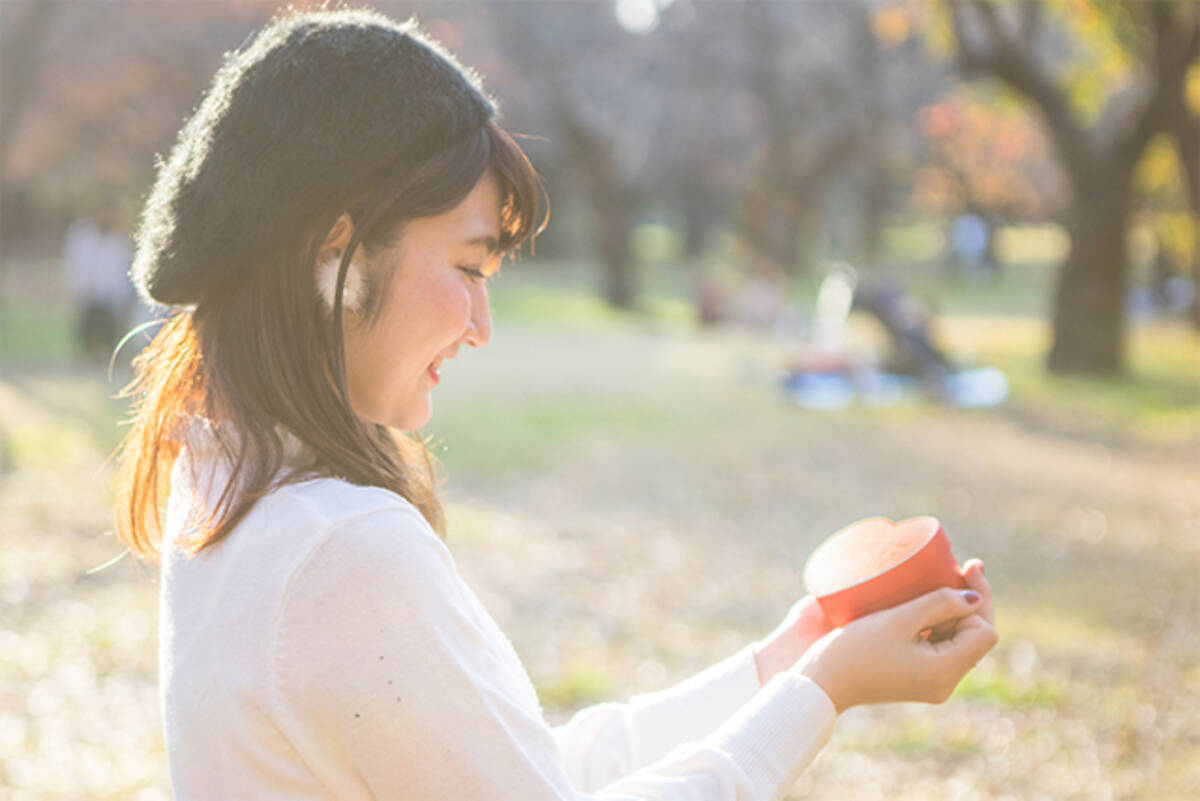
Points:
[(633, 494)]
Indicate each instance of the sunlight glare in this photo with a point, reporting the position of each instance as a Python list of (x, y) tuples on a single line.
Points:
[(637, 16)]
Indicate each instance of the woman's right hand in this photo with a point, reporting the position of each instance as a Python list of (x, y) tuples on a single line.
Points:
[(882, 657)]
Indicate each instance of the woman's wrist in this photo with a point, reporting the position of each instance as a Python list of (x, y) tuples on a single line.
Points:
[(803, 625), (772, 656), (820, 672)]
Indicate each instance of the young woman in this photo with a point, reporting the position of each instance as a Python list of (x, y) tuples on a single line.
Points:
[(326, 226)]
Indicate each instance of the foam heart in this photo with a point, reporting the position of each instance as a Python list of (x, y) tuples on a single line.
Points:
[(875, 564)]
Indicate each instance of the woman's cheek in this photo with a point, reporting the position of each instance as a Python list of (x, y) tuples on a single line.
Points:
[(454, 307)]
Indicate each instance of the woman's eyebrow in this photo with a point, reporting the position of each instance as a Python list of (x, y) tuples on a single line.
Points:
[(490, 242)]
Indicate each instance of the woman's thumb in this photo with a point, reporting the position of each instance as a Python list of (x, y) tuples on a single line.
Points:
[(937, 607)]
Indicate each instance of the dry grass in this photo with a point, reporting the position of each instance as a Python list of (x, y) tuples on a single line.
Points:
[(632, 506)]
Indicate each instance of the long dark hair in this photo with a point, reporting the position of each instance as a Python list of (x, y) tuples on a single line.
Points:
[(255, 349)]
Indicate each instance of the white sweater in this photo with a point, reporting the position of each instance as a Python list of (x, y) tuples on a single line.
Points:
[(329, 649)]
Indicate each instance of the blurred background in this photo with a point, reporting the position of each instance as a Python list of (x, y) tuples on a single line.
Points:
[(808, 262)]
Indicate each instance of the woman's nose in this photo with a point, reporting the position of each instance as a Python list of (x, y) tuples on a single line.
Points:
[(479, 330)]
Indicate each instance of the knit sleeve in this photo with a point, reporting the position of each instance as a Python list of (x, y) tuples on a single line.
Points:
[(389, 685), (603, 742)]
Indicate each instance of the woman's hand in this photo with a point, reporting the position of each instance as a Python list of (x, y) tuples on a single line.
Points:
[(883, 658), (805, 624), (802, 626), (972, 573)]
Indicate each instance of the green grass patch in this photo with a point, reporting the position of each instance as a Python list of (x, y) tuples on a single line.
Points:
[(523, 436), (1020, 289), (576, 308), (553, 306), (916, 737), (467, 523), (1045, 243), (35, 333), (916, 734), (60, 443), (925, 242), (1082, 600), (915, 241), (1159, 400), (1069, 635), (576, 686), (1004, 690), (52, 421)]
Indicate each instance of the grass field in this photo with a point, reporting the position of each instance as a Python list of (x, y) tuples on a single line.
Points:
[(633, 501)]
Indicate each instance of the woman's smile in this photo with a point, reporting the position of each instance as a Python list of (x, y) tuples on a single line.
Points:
[(436, 301)]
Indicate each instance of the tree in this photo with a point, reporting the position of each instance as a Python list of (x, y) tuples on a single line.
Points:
[(1183, 124), (584, 68), (812, 127), (1162, 40), (982, 158), (109, 87), (23, 29)]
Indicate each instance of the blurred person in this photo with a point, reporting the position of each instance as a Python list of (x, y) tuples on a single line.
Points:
[(95, 264), (970, 243), (1172, 289), (326, 228), (761, 299), (909, 326), (711, 299)]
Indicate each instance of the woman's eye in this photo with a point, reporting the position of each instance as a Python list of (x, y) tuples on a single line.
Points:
[(476, 275)]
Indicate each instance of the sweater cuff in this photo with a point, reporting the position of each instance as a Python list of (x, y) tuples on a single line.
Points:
[(775, 736), (658, 721), (732, 682)]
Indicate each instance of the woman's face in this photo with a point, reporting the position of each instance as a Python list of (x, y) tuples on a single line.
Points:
[(436, 301)]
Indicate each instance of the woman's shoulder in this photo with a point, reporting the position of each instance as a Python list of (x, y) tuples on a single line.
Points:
[(369, 541), (298, 517), (336, 502), (363, 522), (359, 523)]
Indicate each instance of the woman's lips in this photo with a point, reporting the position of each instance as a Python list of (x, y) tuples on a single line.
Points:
[(432, 369)]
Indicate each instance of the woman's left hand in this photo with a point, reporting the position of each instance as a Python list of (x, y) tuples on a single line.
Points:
[(805, 623), (802, 626)]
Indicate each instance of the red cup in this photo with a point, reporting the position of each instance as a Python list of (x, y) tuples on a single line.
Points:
[(875, 564)]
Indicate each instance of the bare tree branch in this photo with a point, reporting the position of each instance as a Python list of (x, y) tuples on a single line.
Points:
[(1173, 52), (999, 30), (973, 57), (1184, 125), (1004, 56), (19, 45), (1031, 20)]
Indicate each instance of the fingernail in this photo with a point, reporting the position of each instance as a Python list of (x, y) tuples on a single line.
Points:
[(971, 597)]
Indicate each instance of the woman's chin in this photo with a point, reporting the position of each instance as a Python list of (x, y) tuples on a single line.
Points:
[(412, 419), (406, 417)]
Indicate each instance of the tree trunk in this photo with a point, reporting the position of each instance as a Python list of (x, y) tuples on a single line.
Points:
[(1089, 301), (874, 198), (875, 203), (20, 48), (1195, 311), (609, 198), (612, 226), (693, 200), (767, 220)]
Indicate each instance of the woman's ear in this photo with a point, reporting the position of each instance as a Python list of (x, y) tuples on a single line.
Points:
[(355, 290), (329, 261)]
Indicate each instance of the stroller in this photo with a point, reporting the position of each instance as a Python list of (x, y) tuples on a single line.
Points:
[(914, 364)]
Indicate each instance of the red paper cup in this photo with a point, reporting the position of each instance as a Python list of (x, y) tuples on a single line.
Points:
[(875, 564)]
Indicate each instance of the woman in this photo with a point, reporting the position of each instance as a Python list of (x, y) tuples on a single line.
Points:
[(327, 224)]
